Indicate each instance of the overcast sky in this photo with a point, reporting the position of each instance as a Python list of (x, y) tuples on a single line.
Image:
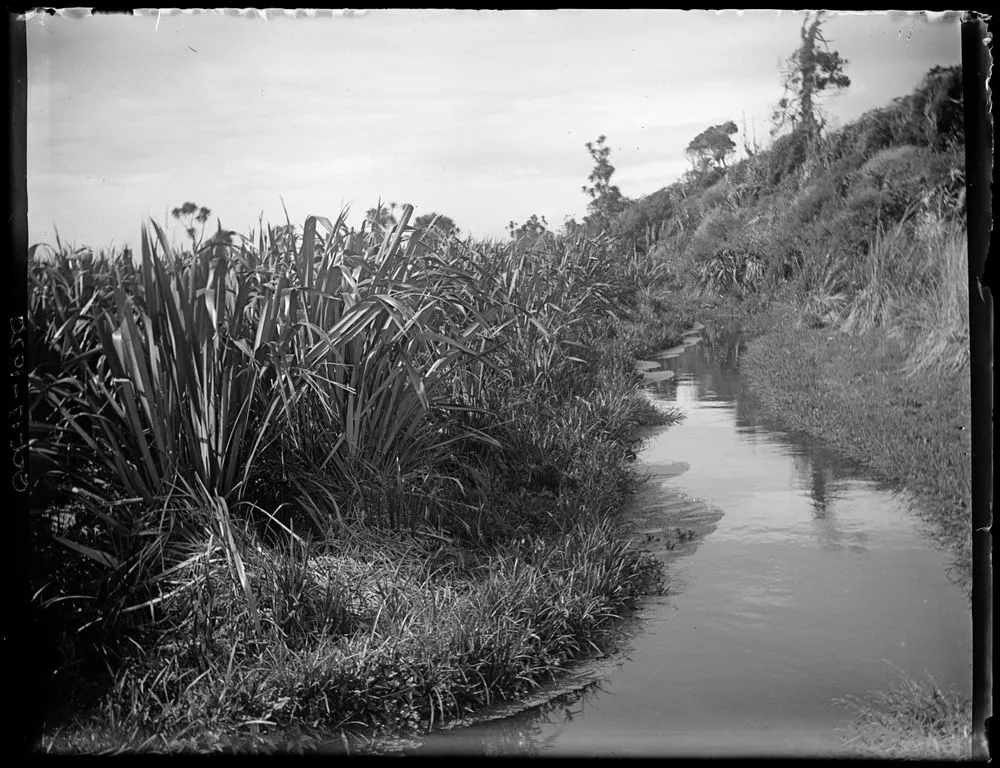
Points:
[(481, 115)]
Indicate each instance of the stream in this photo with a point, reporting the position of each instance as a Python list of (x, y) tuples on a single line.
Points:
[(797, 581)]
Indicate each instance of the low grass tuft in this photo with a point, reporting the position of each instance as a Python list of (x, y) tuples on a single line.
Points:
[(913, 720)]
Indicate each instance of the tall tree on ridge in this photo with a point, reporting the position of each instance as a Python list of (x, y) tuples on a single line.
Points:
[(713, 145), (810, 71)]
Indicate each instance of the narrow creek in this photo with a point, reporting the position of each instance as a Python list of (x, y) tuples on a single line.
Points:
[(797, 581)]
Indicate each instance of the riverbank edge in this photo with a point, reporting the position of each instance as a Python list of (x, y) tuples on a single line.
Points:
[(92, 731), (912, 432)]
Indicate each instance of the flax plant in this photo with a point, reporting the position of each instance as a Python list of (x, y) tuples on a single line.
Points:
[(379, 330), (207, 363)]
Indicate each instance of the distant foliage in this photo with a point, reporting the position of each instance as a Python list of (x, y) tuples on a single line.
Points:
[(382, 215), (436, 229), (438, 221), (533, 232), (712, 145), (534, 227), (780, 218)]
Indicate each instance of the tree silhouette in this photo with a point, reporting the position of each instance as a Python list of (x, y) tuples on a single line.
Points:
[(606, 200), (812, 69), (750, 145), (713, 145)]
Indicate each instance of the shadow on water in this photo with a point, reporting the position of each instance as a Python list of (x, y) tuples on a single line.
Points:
[(794, 580)]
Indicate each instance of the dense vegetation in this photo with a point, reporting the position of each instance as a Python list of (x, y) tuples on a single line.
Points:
[(313, 479), (327, 478)]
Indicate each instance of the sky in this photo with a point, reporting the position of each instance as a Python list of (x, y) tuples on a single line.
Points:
[(479, 115)]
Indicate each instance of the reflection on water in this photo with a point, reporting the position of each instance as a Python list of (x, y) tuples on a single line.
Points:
[(802, 582)]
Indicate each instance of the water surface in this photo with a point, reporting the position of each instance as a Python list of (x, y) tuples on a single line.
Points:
[(803, 582)]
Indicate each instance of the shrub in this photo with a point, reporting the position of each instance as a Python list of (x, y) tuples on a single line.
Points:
[(715, 197), (881, 129), (814, 201), (732, 272), (747, 181), (783, 253), (856, 223), (714, 232), (931, 116), (892, 163), (785, 156), (644, 219), (937, 107)]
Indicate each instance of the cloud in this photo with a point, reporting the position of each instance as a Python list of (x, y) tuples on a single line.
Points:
[(479, 115)]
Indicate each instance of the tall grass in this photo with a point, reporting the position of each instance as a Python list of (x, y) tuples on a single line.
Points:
[(910, 282), (875, 276), (939, 314), (913, 282), (731, 272)]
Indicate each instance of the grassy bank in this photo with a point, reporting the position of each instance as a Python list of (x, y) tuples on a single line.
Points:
[(313, 480), (391, 636), (849, 391), (915, 720), (910, 425)]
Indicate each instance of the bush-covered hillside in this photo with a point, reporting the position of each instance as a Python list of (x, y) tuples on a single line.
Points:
[(850, 224), (857, 241)]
